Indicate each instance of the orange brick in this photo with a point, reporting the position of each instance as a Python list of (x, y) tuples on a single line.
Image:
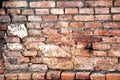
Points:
[(99, 53), (101, 10), (101, 46), (38, 76), (11, 76), (29, 53), (93, 25), (103, 17), (71, 11), (33, 32), (84, 17), (116, 17), (53, 75), (49, 18), (112, 25), (24, 76), (97, 76), (86, 11), (112, 76), (67, 76), (117, 3), (83, 75), (48, 31), (114, 32), (101, 32), (76, 25)]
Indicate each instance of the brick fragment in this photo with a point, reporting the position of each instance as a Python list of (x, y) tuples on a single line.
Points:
[(53, 75)]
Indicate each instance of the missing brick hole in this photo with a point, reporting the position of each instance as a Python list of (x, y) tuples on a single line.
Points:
[(89, 47)]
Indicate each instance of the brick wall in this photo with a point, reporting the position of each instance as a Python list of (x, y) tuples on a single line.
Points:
[(60, 39)]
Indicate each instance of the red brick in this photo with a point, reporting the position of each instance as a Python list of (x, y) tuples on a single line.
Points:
[(112, 25), (19, 18), (71, 11), (42, 4), (5, 19), (65, 17), (67, 75), (76, 25), (101, 10), (11, 76), (53, 75), (38, 76), (47, 25), (42, 11), (101, 46), (115, 10), (83, 75), (81, 45), (57, 11), (49, 31), (114, 32), (3, 27), (97, 76), (49, 18), (117, 3), (116, 17), (80, 52), (87, 39), (15, 4), (103, 17), (13, 39), (69, 4), (111, 39), (113, 76), (33, 25), (32, 32), (84, 18), (99, 53), (34, 18), (93, 25), (99, 3), (62, 24), (29, 53), (86, 11), (2, 11), (24, 76), (33, 39), (82, 33), (101, 32), (13, 11), (65, 31), (28, 11)]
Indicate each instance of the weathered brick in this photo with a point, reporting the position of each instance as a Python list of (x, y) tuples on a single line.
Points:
[(101, 10), (97, 76), (108, 64), (12, 39), (112, 25), (33, 32), (1, 70), (29, 53), (42, 11), (62, 24), (57, 11), (65, 31), (13, 54), (14, 46), (33, 39), (87, 39), (36, 60), (82, 33), (13, 11), (71, 11), (115, 10), (69, 4), (116, 17), (81, 45), (34, 18), (24, 76), (32, 46), (111, 39), (101, 33), (99, 3), (2, 12), (86, 11), (80, 52), (42, 4), (101, 46), (84, 17), (19, 18), (114, 53), (11, 76), (53, 75), (115, 46), (103, 17), (65, 17), (28, 11), (33, 25), (99, 53), (3, 27), (93, 25), (5, 19), (47, 25), (23, 60), (83, 75), (114, 32), (15, 4), (48, 31), (38, 67), (49, 18), (117, 3), (38, 76), (112, 76), (76, 25), (67, 75), (2, 77)]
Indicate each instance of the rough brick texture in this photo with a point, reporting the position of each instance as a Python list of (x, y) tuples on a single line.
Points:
[(60, 39)]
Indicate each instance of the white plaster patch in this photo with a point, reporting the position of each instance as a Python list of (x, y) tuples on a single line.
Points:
[(18, 30)]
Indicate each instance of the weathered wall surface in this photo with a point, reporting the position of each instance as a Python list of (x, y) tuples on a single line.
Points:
[(60, 39)]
